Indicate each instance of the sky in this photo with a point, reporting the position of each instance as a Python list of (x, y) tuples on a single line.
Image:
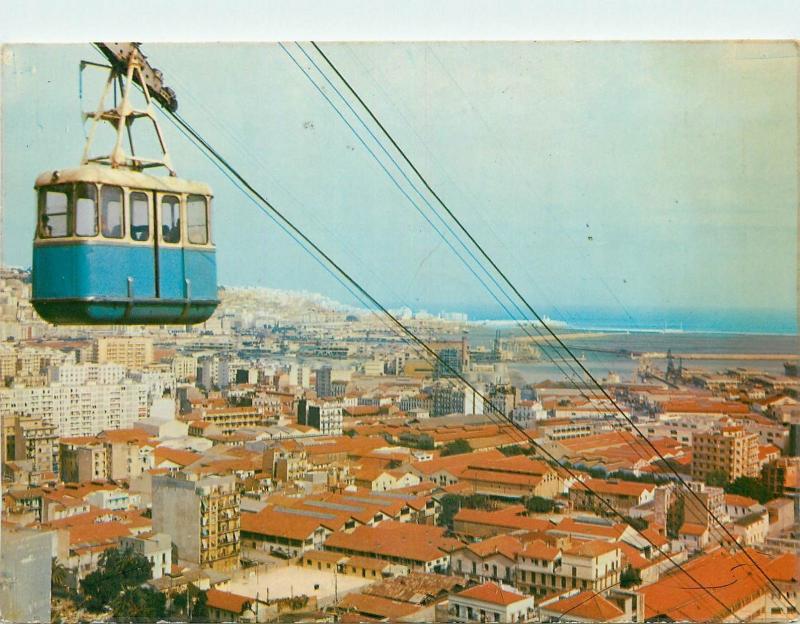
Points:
[(640, 183)]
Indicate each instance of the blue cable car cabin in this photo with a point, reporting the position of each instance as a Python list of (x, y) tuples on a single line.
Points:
[(116, 246)]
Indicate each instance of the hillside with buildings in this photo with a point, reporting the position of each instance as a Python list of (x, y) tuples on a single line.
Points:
[(293, 458)]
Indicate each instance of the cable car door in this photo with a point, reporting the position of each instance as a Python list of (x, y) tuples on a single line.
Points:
[(139, 261), (169, 262)]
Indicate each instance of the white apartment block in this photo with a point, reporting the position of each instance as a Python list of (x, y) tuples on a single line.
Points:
[(79, 410), (184, 367), (81, 374), (300, 376), (526, 413), (158, 379)]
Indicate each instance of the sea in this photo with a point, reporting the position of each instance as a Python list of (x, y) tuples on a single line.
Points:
[(613, 339)]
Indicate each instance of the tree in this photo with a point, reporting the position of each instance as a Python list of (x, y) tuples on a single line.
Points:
[(139, 603), (515, 449), (451, 503), (119, 569), (59, 577), (640, 524), (537, 504), (456, 447), (675, 517), (750, 487), (200, 607), (350, 433), (717, 478), (630, 577)]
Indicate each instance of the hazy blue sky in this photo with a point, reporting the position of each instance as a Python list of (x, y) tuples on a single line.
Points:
[(623, 177)]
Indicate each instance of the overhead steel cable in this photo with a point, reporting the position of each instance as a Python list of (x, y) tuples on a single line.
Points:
[(546, 344), (503, 425), (308, 243), (240, 145), (546, 326), (634, 444)]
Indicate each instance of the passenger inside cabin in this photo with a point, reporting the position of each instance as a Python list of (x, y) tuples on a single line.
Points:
[(171, 234), (46, 229)]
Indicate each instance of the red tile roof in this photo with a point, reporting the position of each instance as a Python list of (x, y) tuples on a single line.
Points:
[(615, 487), (690, 528), (586, 605), (593, 548), (732, 576), (505, 545), (537, 549), (227, 601), (417, 542), (492, 593), (737, 500), (277, 524), (377, 606)]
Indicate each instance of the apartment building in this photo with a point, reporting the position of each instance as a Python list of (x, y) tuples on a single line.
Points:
[(326, 417), (117, 455), (82, 459), (228, 419), (156, 547), (490, 602), (729, 451), (448, 398), (322, 383), (79, 374), (501, 398), (184, 367), (36, 439), (782, 477), (202, 517), (129, 351), (159, 379), (81, 409)]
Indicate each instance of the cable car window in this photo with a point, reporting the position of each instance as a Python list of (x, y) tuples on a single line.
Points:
[(140, 216), (85, 209), (170, 219), (54, 204), (111, 211), (197, 220)]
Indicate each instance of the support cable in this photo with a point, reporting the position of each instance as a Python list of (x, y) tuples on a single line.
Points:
[(549, 329), (267, 205)]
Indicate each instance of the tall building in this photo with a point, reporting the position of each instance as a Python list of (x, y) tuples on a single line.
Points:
[(202, 518), (184, 367), (322, 385), (324, 416), (82, 459), (299, 375), (504, 398), (207, 372), (80, 374), (130, 351), (36, 439), (26, 563), (728, 451), (80, 409), (449, 363), (448, 398)]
